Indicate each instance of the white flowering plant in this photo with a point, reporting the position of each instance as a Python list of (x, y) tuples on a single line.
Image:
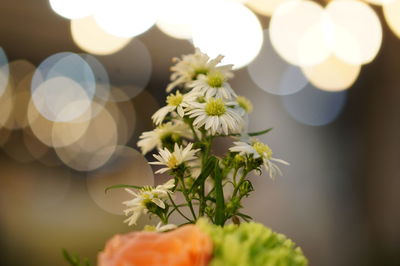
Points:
[(201, 106)]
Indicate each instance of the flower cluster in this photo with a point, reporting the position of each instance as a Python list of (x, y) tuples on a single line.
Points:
[(201, 105)]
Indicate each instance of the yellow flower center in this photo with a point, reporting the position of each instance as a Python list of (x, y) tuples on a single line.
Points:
[(149, 228), (215, 80), (215, 107), (199, 71), (245, 104), (262, 149), (172, 162), (146, 199), (175, 100)]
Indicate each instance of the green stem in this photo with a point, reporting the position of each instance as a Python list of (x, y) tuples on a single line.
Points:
[(179, 211), (188, 200), (242, 179), (234, 176), (205, 158)]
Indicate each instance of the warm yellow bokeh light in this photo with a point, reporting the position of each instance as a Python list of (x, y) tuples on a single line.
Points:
[(40, 126), (298, 33), (230, 29), (93, 39), (264, 7), (176, 19), (19, 116), (22, 97), (332, 75), (126, 18), (64, 134), (91, 150), (391, 12), (357, 31), (3, 81)]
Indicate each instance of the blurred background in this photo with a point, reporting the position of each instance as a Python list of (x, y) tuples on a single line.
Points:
[(79, 81)]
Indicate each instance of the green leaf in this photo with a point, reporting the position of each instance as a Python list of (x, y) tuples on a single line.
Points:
[(219, 192), (74, 261), (245, 216), (121, 186), (253, 134), (209, 166)]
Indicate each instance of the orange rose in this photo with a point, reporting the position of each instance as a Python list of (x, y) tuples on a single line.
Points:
[(185, 246)]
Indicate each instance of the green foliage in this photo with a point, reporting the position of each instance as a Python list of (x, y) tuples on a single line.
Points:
[(121, 186), (219, 201), (250, 244), (74, 260)]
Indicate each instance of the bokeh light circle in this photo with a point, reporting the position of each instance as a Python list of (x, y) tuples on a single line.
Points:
[(230, 29), (61, 99), (357, 31), (88, 152), (127, 166), (64, 134), (274, 75), (176, 19), (63, 87), (333, 74), (298, 32), (264, 7), (73, 9), (20, 77), (103, 89), (126, 18), (314, 107), (91, 38), (391, 12)]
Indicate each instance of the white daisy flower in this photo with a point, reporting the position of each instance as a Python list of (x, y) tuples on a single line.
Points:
[(258, 149), (152, 139), (165, 227), (138, 205), (160, 227), (174, 159), (244, 105), (213, 85), (216, 115), (175, 102), (191, 66)]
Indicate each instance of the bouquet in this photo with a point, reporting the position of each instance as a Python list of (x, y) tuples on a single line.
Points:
[(200, 107)]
